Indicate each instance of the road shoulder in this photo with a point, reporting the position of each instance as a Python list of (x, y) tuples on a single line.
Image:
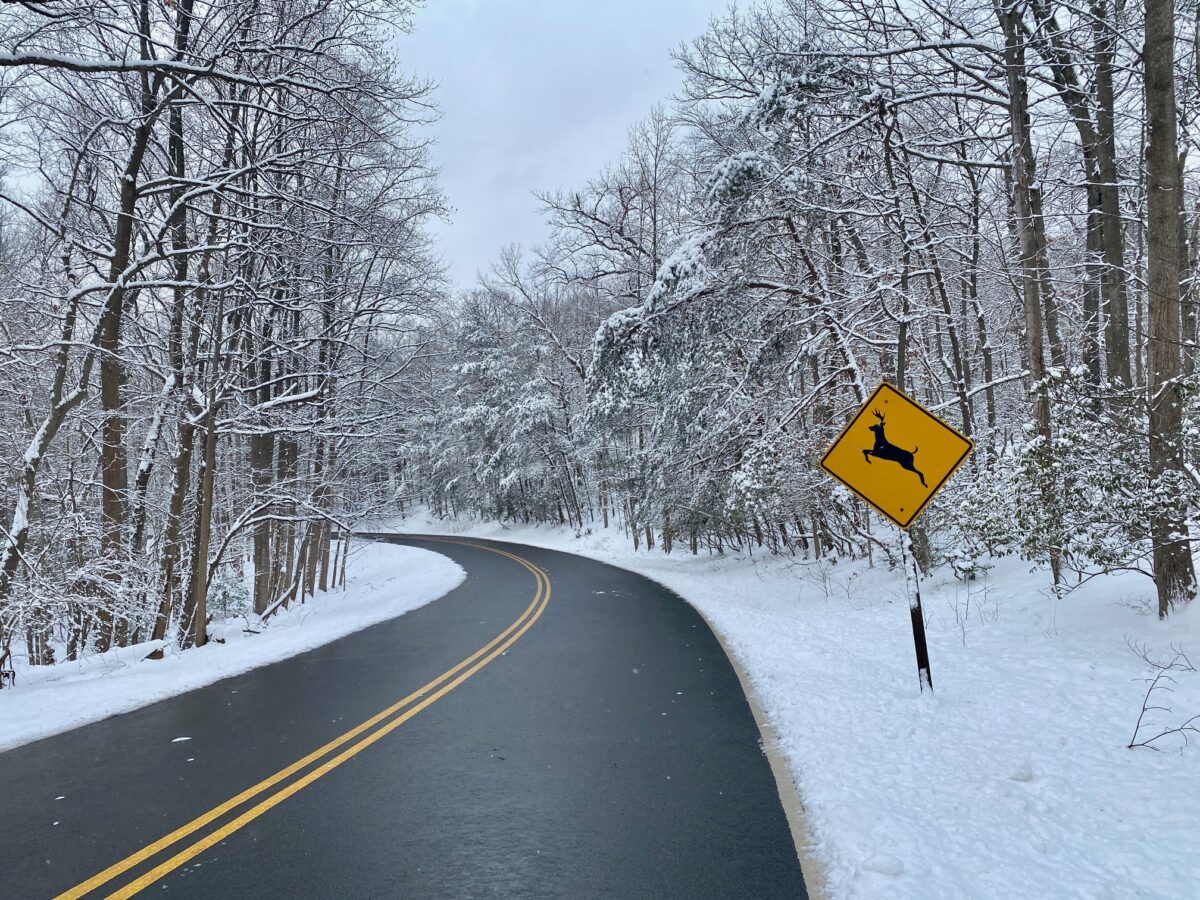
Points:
[(385, 581)]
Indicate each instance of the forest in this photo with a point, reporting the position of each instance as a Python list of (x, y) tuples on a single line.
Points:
[(992, 206), (227, 338), (216, 285)]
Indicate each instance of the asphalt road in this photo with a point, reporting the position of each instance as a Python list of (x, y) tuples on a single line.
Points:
[(602, 747)]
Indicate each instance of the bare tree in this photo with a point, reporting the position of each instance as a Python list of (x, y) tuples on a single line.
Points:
[(1174, 573)]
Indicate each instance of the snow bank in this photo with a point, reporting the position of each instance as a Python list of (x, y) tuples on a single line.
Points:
[(384, 581), (1013, 780)]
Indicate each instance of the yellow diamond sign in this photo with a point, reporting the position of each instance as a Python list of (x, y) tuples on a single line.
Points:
[(895, 454)]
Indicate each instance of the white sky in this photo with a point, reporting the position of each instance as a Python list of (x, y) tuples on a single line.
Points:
[(536, 95)]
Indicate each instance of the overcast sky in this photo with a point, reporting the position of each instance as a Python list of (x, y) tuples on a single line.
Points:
[(536, 95)]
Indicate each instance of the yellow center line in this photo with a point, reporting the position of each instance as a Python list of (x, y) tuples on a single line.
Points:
[(490, 651)]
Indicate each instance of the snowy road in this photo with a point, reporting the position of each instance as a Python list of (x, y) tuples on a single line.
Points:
[(580, 733)]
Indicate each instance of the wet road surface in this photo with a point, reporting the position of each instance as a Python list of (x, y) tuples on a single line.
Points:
[(587, 738)]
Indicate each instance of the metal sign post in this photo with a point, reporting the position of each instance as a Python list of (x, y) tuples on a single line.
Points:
[(909, 558), (872, 458)]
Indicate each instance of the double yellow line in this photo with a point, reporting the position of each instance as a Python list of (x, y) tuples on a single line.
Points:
[(386, 720)]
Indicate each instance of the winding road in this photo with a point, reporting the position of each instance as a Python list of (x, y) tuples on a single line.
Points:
[(552, 728)]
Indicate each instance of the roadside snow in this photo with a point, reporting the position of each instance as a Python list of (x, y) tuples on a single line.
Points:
[(384, 581), (1013, 780)]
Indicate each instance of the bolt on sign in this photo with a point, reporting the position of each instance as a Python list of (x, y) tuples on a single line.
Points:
[(895, 454)]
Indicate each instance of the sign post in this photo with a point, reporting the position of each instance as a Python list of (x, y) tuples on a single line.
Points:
[(909, 558), (872, 458)]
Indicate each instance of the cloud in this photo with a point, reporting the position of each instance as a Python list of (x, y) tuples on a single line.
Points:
[(536, 96)]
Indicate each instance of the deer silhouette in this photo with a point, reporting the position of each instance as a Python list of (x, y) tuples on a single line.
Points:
[(884, 449)]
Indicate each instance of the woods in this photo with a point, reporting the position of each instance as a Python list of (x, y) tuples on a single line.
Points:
[(227, 337), (338, 525), (213, 259), (992, 206)]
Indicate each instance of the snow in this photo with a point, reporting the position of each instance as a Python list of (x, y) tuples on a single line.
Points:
[(20, 519), (384, 581), (36, 446), (1013, 779), (685, 272)]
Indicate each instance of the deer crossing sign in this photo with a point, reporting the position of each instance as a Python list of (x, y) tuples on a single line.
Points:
[(895, 454)]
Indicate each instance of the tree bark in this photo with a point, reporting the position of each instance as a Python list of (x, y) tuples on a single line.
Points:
[(1028, 215), (262, 455), (195, 613), (1116, 322), (114, 463), (1174, 573)]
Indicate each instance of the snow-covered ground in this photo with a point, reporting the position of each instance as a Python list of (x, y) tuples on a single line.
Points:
[(383, 581), (1014, 779)]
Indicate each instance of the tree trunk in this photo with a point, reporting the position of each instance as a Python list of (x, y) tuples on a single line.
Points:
[(285, 533), (345, 559), (1092, 289), (195, 613), (1030, 235), (262, 457), (311, 537), (114, 465), (1116, 322), (172, 550), (1174, 574)]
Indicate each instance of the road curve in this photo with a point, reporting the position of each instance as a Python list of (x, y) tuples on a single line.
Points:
[(552, 728)]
